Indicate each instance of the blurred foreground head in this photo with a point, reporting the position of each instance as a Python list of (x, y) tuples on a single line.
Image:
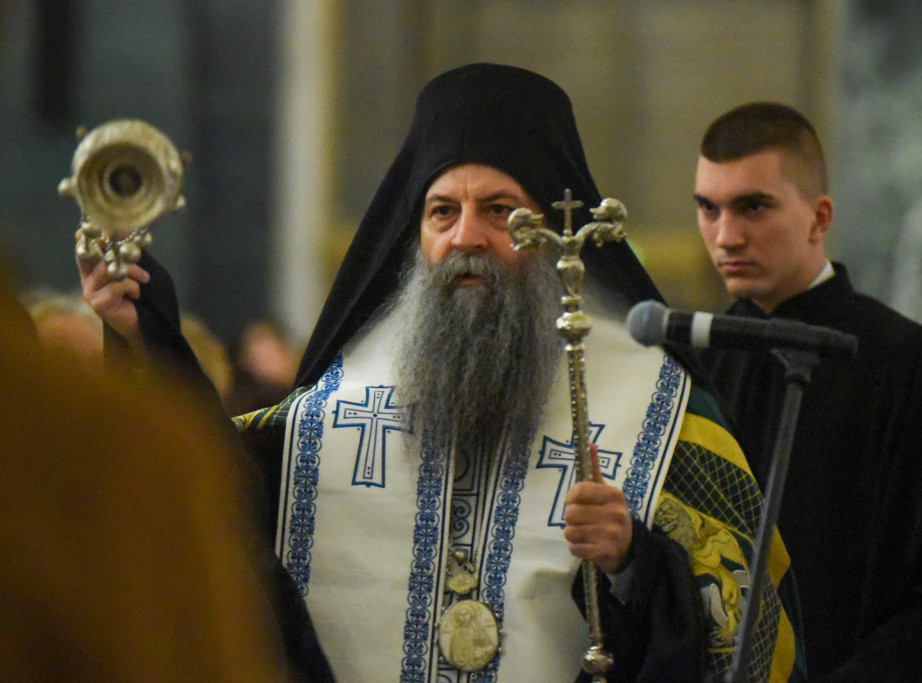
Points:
[(124, 532)]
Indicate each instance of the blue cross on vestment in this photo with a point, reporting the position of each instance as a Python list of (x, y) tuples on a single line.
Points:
[(374, 418), (563, 457)]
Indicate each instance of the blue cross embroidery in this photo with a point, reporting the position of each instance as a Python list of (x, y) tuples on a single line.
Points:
[(374, 418), (562, 456)]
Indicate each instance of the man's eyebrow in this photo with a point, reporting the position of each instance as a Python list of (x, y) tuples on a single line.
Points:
[(497, 196), (750, 197), (701, 199), (438, 198), (739, 200)]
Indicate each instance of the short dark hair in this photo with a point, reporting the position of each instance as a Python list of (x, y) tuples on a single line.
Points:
[(758, 126)]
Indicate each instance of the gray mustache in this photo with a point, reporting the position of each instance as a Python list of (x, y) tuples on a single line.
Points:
[(459, 265)]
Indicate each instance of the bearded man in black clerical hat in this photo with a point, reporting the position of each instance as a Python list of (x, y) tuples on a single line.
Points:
[(423, 466)]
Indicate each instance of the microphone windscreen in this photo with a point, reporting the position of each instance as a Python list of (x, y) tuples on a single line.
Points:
[(646, 322)]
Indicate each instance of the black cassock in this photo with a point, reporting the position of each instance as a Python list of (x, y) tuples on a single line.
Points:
[(851, 515)]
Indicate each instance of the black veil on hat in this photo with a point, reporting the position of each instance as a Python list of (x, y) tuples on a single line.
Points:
[(506, 117)]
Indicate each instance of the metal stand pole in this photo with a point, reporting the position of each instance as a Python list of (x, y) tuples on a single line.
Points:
[(798, 365)]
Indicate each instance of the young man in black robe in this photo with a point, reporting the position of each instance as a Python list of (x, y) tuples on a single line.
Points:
[(851, 514), (487, 139)]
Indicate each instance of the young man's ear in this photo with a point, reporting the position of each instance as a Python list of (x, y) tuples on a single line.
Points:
[(822, 217)]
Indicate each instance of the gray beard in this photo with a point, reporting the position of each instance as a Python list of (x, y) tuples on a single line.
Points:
[(478, 361)]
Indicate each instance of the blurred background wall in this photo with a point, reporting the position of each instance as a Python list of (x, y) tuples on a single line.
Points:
[(292, 110)]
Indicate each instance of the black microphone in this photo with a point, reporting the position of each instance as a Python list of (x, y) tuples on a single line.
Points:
[(651, 324)]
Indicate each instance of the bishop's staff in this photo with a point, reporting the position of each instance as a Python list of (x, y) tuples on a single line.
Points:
[(527, 232)]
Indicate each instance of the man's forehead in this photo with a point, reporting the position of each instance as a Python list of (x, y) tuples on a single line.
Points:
[(756, 174), (479, 178)]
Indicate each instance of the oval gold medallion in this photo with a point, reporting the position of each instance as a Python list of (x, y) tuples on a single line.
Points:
[(468, 635)]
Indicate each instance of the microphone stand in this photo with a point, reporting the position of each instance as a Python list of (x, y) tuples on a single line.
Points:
[(797, 365)]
